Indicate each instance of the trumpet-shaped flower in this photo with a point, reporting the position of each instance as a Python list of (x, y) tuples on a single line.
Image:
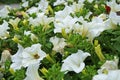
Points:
[(60, 15), (75, 62), (114, 6), (58, 43), (14, 23), (32, 72), (4, 12), (32, 10), (66, 24), (43, 5), (77, 6), (27, 56), (3, 30), (95, 27), (114, 18), (109, 71), (32, 54), (109, 65), (41, 19), (17, 58), (112, 75)]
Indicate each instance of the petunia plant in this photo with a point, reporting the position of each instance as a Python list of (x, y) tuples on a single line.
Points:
[(60, 40)]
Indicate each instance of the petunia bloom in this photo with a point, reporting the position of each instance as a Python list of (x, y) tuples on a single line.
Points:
[(112, 75), (27, 56), (32, 54), (75, 62), (17, 58), (58, 43), (32, 72), (4, 12), (3, 30)]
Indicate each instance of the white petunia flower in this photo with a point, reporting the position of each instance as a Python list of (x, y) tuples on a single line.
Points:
[(66, 24), (32, 54), (60, 15), (114, 6), (95, 27), (109, 71), (112, 75), (75, 62), (58, 43), (32, 10), (17, 58), (114, 18), (43, 5), (3, 30), (4, 12), (41, 19), (77, 6), (80, 28), (109, 65), (32, 72), (27, 56)]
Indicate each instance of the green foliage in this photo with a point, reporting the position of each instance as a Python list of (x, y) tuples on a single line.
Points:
[(88, 73), (54, 73), (9, 45), (110, 41), (19, 74), (7, 75), (77, 42)]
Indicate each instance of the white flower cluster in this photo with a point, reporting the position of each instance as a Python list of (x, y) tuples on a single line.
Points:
[(31, 57), (109, 71)]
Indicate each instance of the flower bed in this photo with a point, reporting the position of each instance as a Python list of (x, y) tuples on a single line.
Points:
[(60, 40)]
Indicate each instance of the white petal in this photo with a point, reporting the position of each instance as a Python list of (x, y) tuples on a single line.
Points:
[(17, 58), (114, 75), (32, 72), (75, 62), (100, 77)]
